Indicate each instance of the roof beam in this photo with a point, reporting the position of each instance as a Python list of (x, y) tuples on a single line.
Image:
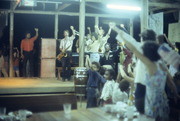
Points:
[(63, 7), (67, 13), (151, 4), (94, 7), (164, 5)]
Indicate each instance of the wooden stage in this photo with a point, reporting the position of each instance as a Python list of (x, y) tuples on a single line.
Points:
[(34, 85), (36, 94)]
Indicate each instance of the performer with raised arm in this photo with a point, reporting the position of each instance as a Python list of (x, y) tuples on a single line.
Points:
[(27, 46), (66, 49), (102, 39)]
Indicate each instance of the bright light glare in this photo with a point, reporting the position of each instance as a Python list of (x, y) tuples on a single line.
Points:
[(122, 7)]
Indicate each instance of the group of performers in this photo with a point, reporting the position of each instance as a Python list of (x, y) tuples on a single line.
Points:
[(96, 46)]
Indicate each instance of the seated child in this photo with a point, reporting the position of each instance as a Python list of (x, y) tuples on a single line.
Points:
[(107, 90), (120, 91)]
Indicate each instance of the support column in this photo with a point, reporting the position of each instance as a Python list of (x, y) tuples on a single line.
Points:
[(179, 16), (81, 32), (97, 20), (11, 73), (56, 27), (131, 26), (144, 15), (56, 24)]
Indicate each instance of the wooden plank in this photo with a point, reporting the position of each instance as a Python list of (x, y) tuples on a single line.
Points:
[(164, 5), (67, 13), (63, 7), (91, 114), (34, 86), (37, 103)]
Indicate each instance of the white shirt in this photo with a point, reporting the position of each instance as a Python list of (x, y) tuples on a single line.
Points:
[(94, 47), (107, 90), (172, 70), (1, 62), (118, 95), (66, 43), (103, 41)]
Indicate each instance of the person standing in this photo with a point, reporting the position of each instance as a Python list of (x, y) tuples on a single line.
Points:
[(66, 47), (27, 46), (2, 65)]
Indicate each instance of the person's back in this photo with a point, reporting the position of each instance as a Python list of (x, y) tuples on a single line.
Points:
[(156, 98)]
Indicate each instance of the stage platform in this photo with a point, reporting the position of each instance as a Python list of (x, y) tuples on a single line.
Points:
[(34, 85), (36, 94)]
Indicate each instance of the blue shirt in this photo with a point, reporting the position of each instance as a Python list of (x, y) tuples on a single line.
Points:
[(94, 78)]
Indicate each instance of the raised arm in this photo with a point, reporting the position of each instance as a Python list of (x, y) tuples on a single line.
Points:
[(170, 44), (170, 82), (109, 32), (130, 42), (96, 28), (37, 32), (89, 30), (73, 31), (88, 62), (124, 75), (17, 52)]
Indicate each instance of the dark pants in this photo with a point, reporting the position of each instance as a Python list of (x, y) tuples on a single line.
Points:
[(91, 98), (140, 97), (66, 66), (28, 56)]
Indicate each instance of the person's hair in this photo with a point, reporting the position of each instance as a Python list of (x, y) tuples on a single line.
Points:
[(148, 35), (161, 39), (27, 32), (176, 78), (111, 72), (97, 64), (124, 85), (95, 35), (66, 31), (150, 50)]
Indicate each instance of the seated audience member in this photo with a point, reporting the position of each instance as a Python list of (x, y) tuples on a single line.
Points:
[(2, 64), (107, 90), (120, 91), (94, 79)]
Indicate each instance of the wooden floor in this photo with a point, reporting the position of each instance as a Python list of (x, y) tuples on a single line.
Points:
[(34, 86)]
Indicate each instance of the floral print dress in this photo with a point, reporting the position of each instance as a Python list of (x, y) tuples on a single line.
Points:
[(156, 102)]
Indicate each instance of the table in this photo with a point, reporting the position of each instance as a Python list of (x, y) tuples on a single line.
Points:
[(92, 114)]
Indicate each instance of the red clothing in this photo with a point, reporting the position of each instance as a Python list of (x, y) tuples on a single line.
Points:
[(28, 44), (16, 62), (128, 58)]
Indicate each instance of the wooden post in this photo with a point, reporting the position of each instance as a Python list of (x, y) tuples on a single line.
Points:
[(144, 15), (97, 20), (56, 24), (81, 32), (179, 16), (131, 26), (11, 73)]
